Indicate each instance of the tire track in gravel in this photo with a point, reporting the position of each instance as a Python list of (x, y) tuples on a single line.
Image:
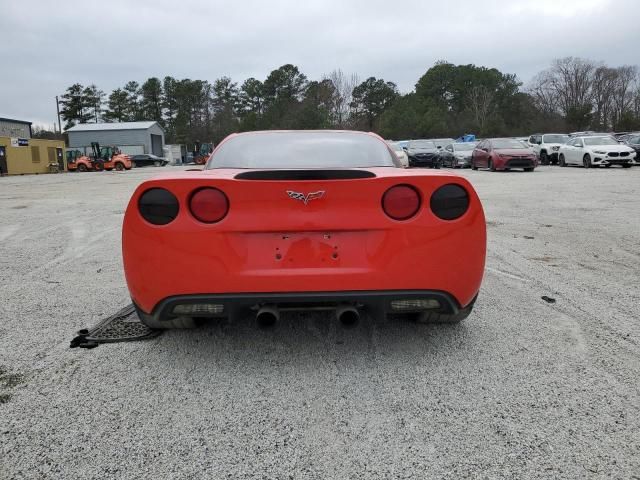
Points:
[(589, 329)]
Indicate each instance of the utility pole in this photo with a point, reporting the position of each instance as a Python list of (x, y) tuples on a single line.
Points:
[(58, 110)]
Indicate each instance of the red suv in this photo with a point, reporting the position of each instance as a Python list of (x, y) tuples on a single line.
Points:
[(503, 154)]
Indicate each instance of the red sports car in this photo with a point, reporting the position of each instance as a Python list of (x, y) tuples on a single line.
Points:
[(503, 154), (303, 219)]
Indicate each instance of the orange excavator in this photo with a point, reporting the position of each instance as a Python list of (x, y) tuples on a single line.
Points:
[(103, 158)]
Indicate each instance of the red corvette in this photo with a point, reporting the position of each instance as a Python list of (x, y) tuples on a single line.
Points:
[(303, 219)]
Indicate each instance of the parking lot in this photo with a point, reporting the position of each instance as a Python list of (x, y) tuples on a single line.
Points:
[(523, 388)]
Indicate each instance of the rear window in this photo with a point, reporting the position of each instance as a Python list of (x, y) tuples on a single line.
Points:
[(422, 144), (464, 146), (507, 143), (556, 138), (302, 150)]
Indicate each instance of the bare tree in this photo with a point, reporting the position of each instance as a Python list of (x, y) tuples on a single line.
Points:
[(572, 79), (604, 83), (543, 93), (623, 91), (481, 103), (343, 85), (636, 97)]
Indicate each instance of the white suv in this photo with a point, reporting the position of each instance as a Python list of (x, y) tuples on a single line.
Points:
[(547, 146)]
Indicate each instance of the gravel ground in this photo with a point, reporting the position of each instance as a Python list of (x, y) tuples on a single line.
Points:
[(521, 389)]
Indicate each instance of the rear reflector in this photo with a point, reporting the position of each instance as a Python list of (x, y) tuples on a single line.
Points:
[(401, 202), (415, 304), (158, 206), (209, 205), (198, 309), (449, 202)]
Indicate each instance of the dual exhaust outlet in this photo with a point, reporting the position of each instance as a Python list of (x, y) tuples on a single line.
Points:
[(347, 315)]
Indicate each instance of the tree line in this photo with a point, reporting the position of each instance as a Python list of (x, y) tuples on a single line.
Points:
[(448, 100), (586, 94)]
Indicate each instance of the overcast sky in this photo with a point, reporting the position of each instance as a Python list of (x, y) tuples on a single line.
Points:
[(45, 46)]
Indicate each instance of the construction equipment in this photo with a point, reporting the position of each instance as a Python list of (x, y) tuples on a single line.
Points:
[(108, 158), (78, 161), (102, 158), (202, 152)]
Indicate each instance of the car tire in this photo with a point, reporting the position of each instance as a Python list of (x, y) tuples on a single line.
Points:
[(491, 166), (180, 322), (450, 318), (586, 161), (544, 158), (81, 168), (473, 166), (119, 166), (562, 162), (530, 169), (626, 165), (156, 163)]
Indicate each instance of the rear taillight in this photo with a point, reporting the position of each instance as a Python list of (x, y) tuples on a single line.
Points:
[(401, 202), (158, 206), (449, 202), (209, 205)]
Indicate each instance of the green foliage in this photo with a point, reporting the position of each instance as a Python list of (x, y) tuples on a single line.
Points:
[(449, 100), (370, 99), (628, 122), (579, 117), (465, 98), (118, 106), (151, 100), (75, 106)]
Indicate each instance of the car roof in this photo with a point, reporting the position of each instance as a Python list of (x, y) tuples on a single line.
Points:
[(595, 136)]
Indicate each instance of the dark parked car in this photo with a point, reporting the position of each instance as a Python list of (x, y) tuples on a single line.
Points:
[(441, 142), (145, 160), (633, 141), (457, 155), (423, 153), (503, 154)]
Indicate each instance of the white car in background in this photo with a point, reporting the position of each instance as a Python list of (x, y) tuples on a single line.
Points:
[(547, 146), (592, 151), (400, 153)]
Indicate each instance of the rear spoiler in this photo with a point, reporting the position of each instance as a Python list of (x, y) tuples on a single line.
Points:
[(307, 174)]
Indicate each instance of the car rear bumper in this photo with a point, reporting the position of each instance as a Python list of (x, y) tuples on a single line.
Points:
[(389, 301)]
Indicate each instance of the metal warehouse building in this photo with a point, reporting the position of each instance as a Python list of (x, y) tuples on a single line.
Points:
[(14, 128), (132, 138)]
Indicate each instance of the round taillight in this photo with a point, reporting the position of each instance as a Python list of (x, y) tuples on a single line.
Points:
[(158, 206), (449, 202), (209, 205), (401, 202)]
